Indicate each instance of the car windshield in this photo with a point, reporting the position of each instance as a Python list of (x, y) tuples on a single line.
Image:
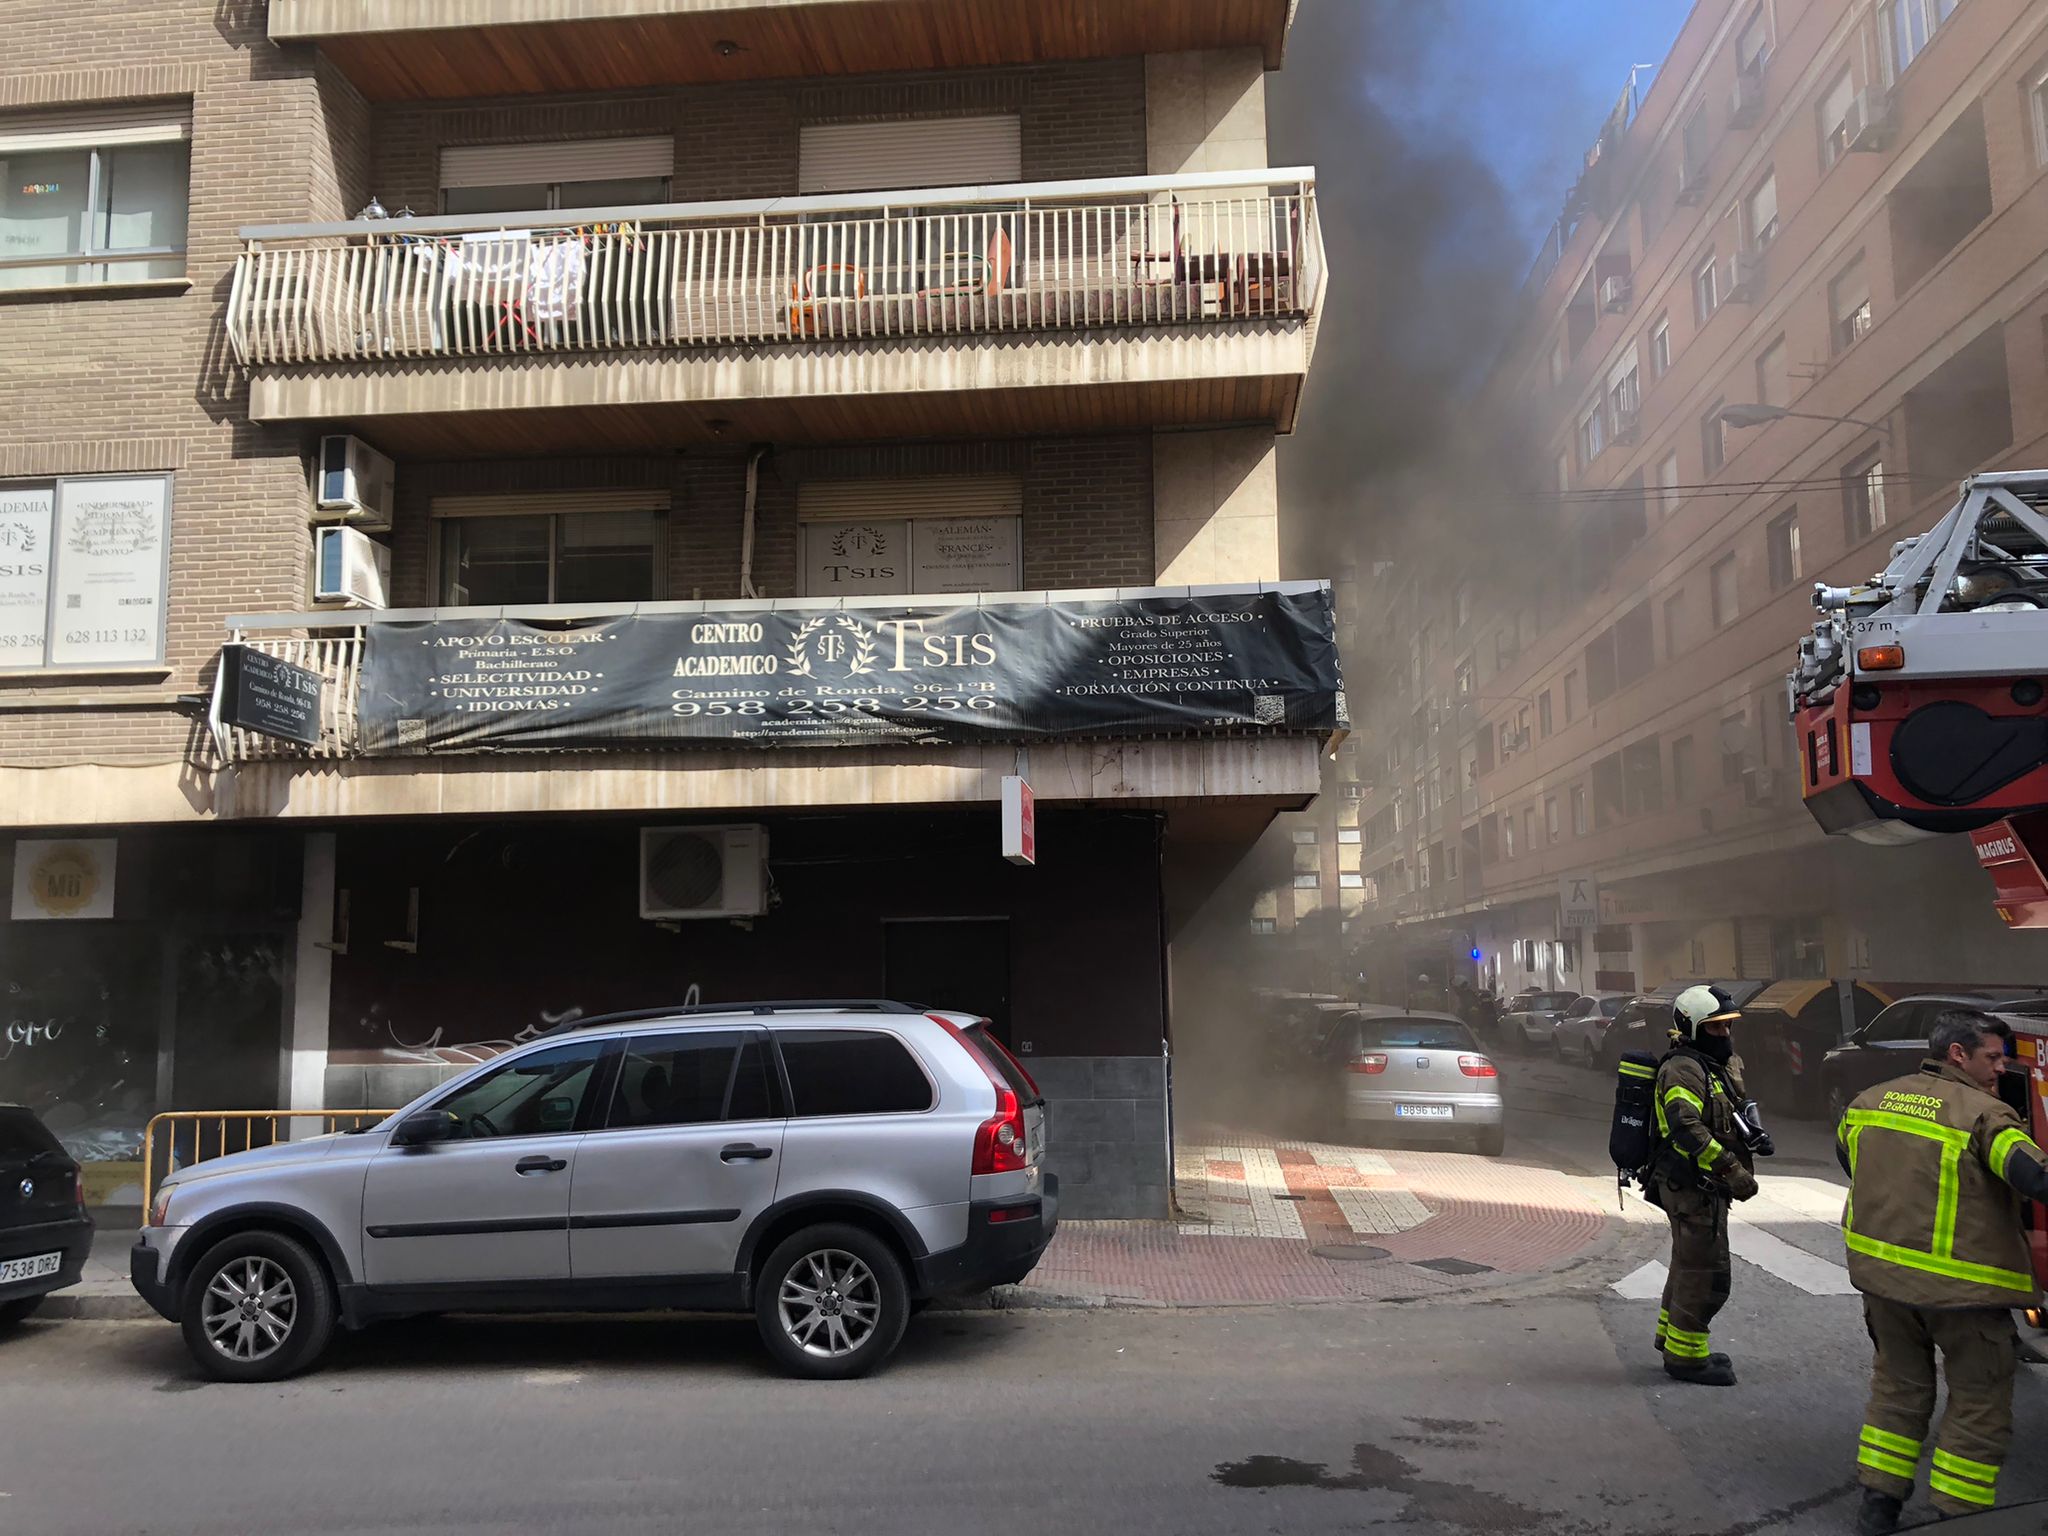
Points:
[(1612, 1006), (1548, 1002), (1418, 1034)]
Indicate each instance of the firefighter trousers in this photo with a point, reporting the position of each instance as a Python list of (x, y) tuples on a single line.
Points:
[(1699, 1277), (1978, 1361)]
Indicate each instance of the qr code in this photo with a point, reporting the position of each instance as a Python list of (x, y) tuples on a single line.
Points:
[(411, 732), (1268, 709), (74, 599)]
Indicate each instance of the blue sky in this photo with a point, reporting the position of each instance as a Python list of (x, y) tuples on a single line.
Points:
[(1524, 83)]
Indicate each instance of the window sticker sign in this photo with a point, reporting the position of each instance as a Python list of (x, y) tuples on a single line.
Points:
[(27, 514), (108, 608)]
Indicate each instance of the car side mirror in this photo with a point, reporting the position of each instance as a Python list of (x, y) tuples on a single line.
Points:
[(423, 1127)]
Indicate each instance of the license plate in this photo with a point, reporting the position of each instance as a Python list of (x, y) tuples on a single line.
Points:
[(30, 1268), (1423, 1111)]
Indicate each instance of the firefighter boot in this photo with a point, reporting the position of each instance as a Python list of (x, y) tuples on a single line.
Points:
[(1879, 1514), (1713, 1371)]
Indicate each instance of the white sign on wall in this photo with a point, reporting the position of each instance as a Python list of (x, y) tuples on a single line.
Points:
[(1578, 901), (857, 559), (27, 514), (900, 556), (111, 545), (964, 554), (64, 878)]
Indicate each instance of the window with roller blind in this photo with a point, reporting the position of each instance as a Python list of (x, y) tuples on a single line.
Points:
[(94, 197), (553, 547), (570, 174), (935, 534)]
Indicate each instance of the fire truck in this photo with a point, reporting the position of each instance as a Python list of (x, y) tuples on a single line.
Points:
[(1920, 708)]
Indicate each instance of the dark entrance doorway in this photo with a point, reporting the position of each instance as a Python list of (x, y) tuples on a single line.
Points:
[(227, 1026), (952, 963)]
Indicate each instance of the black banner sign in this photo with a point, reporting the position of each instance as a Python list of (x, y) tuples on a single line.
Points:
[(805, 677), (259, 692)]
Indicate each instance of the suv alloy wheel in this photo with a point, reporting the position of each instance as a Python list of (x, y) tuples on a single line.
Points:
[(257, 1307), (831, 1302)]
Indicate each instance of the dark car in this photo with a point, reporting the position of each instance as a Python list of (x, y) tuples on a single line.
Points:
[(45, 1234), (1894, 1043), (1644, 1024)]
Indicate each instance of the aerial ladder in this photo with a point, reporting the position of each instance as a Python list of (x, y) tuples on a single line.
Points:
[(1920, 698)]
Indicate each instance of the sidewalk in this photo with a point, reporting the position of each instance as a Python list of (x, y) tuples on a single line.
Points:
[(1261, 1220)]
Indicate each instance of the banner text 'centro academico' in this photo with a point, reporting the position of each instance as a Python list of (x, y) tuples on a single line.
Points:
[(914, 674)]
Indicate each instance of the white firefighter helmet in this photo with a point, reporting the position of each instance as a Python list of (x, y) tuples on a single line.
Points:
[(1700, 1005)]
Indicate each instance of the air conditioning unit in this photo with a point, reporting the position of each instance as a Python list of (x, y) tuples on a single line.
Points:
[(1746, 105), (1626, 424), (352, 484), (1692, 185), (1759, 786), (1867, 125), (702, 872), (1745, 277), (1615, 294), (350, 567)]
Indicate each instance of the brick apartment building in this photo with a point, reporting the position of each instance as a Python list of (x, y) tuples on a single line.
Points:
[(755, 333), (1829, 208)]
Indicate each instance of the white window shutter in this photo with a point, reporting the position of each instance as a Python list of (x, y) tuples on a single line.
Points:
[(121, 122), (911, 154), (505, 165)]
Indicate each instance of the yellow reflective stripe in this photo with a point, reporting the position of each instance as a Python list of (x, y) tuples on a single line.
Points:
[(1709, 1154), (1955, 1488), (1680, 1091), (1885, 1120), (1885, 1440), (1663, 1126), (1945, 1202), (2002, 1146), (1894, 1465), (1977, 1471), (1637, 1069), (1952, 1268)]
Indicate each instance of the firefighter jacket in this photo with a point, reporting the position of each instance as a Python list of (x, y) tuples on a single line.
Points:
[(1933, 1219), (1696, 1102)]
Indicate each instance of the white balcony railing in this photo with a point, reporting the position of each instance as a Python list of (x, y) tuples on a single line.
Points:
[(1212, 248)]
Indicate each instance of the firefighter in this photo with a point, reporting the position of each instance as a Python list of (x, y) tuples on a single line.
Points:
[(1937, 1166), (1701, 1165)]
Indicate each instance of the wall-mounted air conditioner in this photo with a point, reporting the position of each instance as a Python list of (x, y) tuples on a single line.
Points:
[(352, 484), (1867, 125), (703, 872), (1692, 185), (1745, 277), (1615, 294), (1746, 105), (350, 567), (1626, 425), (1759, 787)]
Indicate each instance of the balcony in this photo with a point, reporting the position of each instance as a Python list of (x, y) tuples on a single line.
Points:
[(1100, 305), (417, 49)]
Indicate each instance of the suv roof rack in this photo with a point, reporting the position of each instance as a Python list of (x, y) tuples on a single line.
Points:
[(782, 1005)]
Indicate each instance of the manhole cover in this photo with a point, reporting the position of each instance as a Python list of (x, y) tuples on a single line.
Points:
[(1454, 1266), (1349, 1251)]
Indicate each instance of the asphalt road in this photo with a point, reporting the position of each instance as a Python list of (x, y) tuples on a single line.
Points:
[(1545, 1414)]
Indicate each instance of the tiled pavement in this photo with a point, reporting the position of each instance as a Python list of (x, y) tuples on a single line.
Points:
[(1255, 1211)]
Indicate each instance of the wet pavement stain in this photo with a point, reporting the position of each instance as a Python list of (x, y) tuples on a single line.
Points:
[(1376, 1470)]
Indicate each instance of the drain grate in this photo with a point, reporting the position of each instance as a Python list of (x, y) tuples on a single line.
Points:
[(1454, 1266), (1290, 1197), (1349, 1251)]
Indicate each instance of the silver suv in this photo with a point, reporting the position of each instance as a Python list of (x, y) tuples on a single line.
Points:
[(826, 1166)]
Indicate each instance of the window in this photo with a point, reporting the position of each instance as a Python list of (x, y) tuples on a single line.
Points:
[(1609, 796), (1507, 645), (1734, 749), (851, 1072), (1667, 483), (1507, 836), (1713, 439), (1529, 828), (1694, 148), (537, 1095), (1550, 818), (933, 533), (1681, 770), (1347, 835), (101, 202), (594, 556), (1351, 791), (1849, 305), (1706, 288), (2038, 99), (1461, 605), (1912, 23), (690, 1079), (1761, 213), (1559, 360), (1592, 435), (1721, 584), (1773, 377), (1543, 713), (1863, 497), (1834, 119), (1781, 538), (1351, 882), (1753, 44), (1564, 472), (1642, 772), (578, 173), (1464, 680), (1660, 348), (1580, 825), (1304, 837), (1265, 925), (1573, 702), (82, 565), (1674, 626)]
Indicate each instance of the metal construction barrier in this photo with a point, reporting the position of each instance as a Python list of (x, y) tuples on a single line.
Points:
[(182, 1137)]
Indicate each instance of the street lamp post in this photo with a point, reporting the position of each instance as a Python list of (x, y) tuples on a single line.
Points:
[(1760, 415)]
